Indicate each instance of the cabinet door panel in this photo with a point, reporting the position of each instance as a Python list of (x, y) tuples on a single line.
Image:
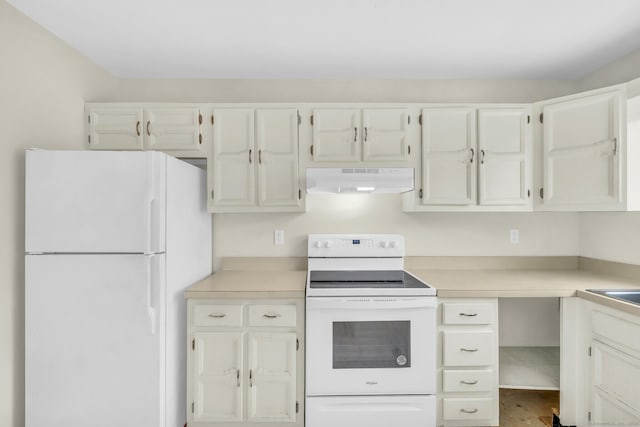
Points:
[(581, 150), (218, 375), (384, 135), (502, 141), (115, 128), (616, 373), (449, 156), (173, 129), (277, 143), (233, 158), (336, 135), (272, 383)]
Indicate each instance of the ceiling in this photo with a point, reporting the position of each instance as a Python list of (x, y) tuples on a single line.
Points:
[(344, 39)]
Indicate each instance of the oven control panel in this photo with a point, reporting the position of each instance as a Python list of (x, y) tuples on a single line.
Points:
[(355, 245)]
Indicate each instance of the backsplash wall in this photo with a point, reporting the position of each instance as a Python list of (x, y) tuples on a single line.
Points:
[(426, 234)]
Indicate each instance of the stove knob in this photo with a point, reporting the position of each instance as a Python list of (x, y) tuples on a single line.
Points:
[(392, 244), (384, 244), (328, 244), (318, 244)]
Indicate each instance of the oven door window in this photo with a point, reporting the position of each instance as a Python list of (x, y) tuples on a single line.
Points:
[(384, 344)]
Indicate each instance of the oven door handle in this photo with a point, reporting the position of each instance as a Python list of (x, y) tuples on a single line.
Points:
[(371, 303)]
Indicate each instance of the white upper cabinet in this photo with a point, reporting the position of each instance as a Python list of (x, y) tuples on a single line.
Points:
[(590, 152), (582, 142), (384, 134), (503, 144), (111, 128), (449, 156), (254, 160), (277, 141), (354, 135), (231, 168), (335, 135), (475, 159), (174, 129)]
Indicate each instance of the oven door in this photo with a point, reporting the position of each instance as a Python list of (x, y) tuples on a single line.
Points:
[(371, 345)]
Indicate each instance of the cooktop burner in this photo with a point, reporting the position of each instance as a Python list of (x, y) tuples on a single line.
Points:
[(364, 279)]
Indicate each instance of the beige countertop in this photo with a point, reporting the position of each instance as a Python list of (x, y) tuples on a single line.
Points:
[(518, 283), (250, 284), (460, 278)]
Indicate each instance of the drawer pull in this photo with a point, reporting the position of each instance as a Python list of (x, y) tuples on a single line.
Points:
[(237, 377), (469, 350), (467, 411), (218, 315), (469, 382), (469, 314), (270, 316)]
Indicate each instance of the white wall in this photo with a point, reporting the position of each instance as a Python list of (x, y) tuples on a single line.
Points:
[(425, 233), (43, 85)]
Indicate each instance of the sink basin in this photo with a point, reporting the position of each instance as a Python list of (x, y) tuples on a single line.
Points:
[(628, 295)]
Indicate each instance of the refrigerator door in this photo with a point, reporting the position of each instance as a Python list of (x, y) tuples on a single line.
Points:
[(95, 202), (94, 340)]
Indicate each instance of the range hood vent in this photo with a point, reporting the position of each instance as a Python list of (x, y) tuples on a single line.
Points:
[(359, 180)]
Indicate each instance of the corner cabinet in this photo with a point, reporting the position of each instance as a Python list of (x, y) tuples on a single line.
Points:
[(475, 158), (467, 380), (589, 151), (176, 129), (245, 362), (253, 163), (360, 136)]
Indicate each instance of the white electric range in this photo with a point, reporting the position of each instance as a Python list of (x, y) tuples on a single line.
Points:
[(370, 332)]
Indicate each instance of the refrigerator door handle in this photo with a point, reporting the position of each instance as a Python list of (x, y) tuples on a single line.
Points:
[(152, 296)]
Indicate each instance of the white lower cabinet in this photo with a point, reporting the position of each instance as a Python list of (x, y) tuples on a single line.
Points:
[(468, 362), (613, 367), (244, 362)]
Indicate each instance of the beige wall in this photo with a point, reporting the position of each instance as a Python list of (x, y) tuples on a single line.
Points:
[(43, 85)]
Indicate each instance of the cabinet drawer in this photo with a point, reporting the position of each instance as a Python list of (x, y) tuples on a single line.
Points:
[(467, 314), (272, 315), (617, 330), (467, 409), (467, 380), (218, 315), (468, 348)]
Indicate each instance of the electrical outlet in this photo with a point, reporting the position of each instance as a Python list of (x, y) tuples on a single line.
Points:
[(514, 236), (278, 237)]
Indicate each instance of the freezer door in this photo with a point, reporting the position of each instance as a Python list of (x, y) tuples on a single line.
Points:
[(94, 340), (95, 202)]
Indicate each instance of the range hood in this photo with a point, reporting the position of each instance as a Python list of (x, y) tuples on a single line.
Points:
[(359, 180)]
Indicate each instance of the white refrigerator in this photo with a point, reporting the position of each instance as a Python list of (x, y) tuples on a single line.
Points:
[(112, 239)]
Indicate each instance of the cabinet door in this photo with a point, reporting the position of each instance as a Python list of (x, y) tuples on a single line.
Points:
[(173, 128), (272, 377), (617, 374), (277, 143), (449, 156), (336, 135), (503, 144), (384, 135), (232, 175), (115, 128), (217, 376), (582, 151)]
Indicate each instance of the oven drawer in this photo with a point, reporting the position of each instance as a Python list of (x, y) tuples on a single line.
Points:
[(280, 315), (370, 411), (468, 348), (467, 380), (457, 409), (218, 315), (467, 313)]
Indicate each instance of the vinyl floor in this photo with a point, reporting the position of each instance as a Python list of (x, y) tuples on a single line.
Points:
[(521, 408)]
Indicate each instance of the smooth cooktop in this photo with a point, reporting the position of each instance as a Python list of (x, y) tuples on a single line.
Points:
[(364, 279)]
